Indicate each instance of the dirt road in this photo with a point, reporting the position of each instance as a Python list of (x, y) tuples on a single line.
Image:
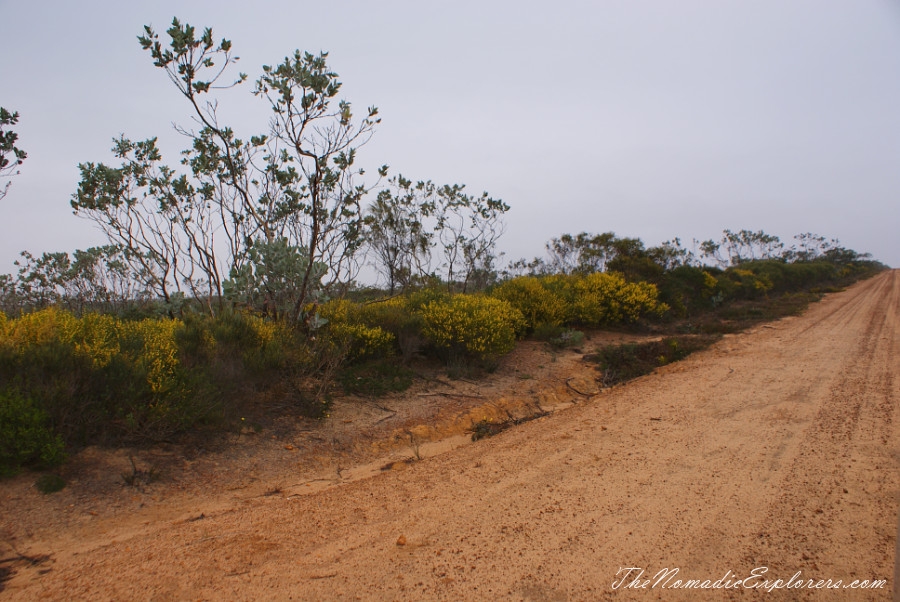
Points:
[(776, 448)]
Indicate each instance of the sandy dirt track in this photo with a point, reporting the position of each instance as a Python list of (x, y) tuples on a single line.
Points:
[(775, 448)]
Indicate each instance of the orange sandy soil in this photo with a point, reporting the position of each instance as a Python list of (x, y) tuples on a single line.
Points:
[(774, 448)]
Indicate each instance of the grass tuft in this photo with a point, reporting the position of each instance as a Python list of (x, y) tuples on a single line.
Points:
[(139, 476)]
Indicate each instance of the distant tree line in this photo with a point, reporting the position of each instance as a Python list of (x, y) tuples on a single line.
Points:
[(585, 253)]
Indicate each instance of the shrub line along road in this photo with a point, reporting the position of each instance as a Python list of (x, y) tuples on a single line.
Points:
[(775, 448)]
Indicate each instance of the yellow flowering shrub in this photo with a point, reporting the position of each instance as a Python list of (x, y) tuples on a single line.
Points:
[(473, 326), (399, 317), (357, 328), (38, 328), (96, 337), (391, 314), (338, 310), (150, 345), (98, 374), (267, 332), (270, 345), (101, 378), (539, 305), (605, 299), (362, 341)]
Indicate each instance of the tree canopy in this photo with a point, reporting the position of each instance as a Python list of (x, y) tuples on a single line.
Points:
[(11, 156)]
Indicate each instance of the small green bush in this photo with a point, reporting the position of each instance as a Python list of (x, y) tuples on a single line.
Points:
[(26, 437), (376, 378), (246, 358), (567, 339), (689, 290), (244, 340), (559, 337), (50, 483), (746, 283), (102, 379), (620, 363)]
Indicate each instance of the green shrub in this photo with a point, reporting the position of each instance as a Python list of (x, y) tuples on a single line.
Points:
[(100, 378), (247, 358), (569, 338), (50, 483), (689, 290), (745, 283), (26, 437), (375, 378), (620, 363), (546, 332), (559, 337), (780, 276), (246, 341), (472, 327), (417, 300)]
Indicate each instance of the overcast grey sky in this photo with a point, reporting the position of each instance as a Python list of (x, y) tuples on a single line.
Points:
[(649, 118)]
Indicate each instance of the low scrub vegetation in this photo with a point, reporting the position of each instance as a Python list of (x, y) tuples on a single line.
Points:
[(376, 378), (559, 337), (590, 300), (69, 379), (619, 363), (73, 381)]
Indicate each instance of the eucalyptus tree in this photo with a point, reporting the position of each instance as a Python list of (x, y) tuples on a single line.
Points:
[(144, 208), (467, 229), (398, 239), (11, 157), (583, 253), (810, 246), (415, 230), (96, 279), (671, 254), (745, 245), (290, 189)]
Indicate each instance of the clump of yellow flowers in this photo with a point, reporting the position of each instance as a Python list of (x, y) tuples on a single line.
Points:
[(477, 326)]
